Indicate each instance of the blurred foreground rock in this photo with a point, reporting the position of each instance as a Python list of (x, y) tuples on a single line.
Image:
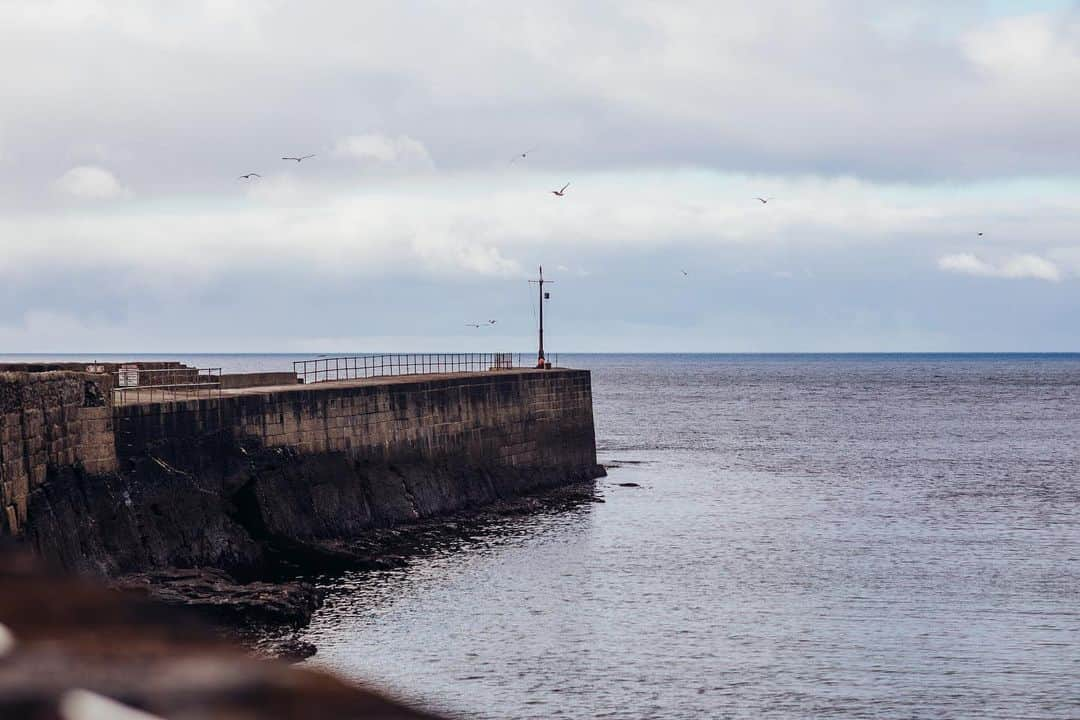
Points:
[(70, 635)]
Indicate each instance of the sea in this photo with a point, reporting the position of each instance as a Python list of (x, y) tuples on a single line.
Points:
[(781, 536)]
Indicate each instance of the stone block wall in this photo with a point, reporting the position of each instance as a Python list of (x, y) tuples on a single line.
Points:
[(236, 381), (48, 421), (520, 418)]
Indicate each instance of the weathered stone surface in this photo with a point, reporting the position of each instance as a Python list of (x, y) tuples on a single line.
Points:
[(519, 418), (51, 419), (149, 518), (233, 381)]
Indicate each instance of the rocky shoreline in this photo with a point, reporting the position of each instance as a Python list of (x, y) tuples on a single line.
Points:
[(265, 615)]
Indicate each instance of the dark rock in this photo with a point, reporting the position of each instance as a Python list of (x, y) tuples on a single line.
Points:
[(251, 511), (629, 484), (615, 464), (216, 595), (292, 650), (92, 394)]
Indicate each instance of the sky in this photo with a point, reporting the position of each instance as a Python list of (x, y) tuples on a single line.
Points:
[(922, 165)]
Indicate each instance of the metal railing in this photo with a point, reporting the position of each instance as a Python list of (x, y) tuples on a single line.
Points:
[(137, 385), (368, 366)]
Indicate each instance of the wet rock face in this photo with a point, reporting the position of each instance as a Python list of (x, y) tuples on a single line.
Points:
[(251, 508), (149, 519), (69, 637), (217, 595)]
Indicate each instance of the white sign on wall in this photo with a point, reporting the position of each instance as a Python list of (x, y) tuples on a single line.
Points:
[(127, 376)]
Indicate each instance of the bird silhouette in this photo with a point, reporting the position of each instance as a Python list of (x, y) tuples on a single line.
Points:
[(492, 322), (298, 159), (980, 234), (764, 201), (561, 191), (249, 176), (686, 274), (522, 156), (474, 325)]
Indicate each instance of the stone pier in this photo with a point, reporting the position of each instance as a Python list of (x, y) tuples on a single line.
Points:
[(222, 481)]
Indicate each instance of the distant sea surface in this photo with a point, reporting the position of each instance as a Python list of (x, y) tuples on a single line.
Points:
[(845, 536)]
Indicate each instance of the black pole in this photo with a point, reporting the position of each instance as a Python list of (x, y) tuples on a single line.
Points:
[(540, 359), (540, 356)]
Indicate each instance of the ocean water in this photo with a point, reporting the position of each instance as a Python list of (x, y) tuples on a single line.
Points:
[(812, 536)]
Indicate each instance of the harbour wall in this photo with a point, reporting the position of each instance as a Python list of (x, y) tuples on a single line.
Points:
[(236, 482), (514, 418), (50, 419)]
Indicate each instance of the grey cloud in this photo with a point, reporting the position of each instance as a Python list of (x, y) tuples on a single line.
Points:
[(182, 96)]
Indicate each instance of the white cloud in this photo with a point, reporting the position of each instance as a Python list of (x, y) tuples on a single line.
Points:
[(503, 222), (400, 152), (1022, 49), (91, 182), (965, 263), (478, 259), (1016, 266)]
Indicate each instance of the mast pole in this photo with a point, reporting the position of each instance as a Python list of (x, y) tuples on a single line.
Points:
[(540, 355), (541, 282)]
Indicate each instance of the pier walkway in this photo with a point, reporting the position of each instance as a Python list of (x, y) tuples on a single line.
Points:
[(140, 383), (140, 395)]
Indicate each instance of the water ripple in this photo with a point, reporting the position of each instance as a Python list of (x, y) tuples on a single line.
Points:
[(877, 538)]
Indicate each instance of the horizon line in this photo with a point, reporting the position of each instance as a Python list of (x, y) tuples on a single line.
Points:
[(571, 352)]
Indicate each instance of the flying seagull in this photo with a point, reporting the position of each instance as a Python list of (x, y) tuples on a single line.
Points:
[(492, 322), (980, 234), (522, 156), (685, 273), (474, 325), (764, 201), (561, 191), (298, 159), (249, 176)]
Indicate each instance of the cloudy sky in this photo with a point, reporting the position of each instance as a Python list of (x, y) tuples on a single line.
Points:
[(889, 135)]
